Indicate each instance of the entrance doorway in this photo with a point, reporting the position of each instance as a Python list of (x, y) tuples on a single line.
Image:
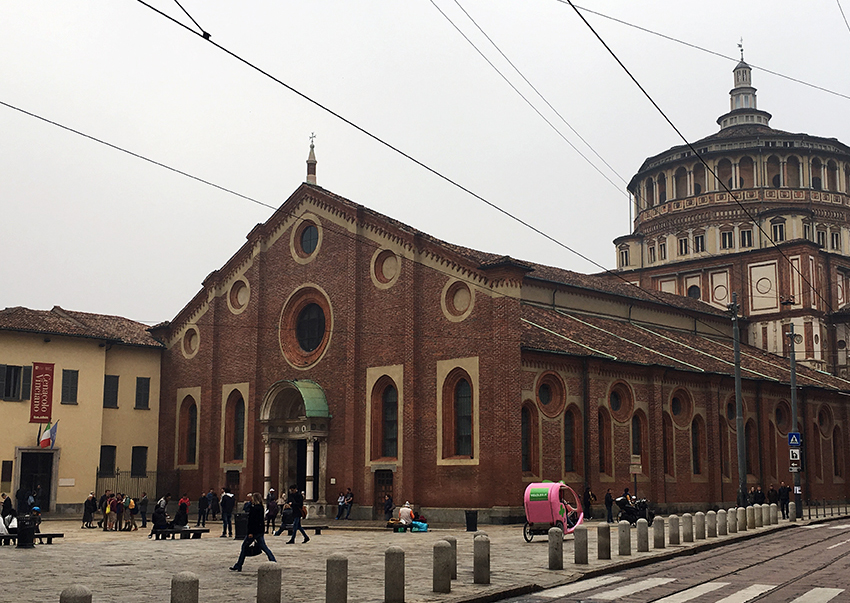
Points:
[(383, 486), (37, 470)]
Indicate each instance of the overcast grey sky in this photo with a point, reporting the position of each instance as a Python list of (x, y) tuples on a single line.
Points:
[(92, 229)]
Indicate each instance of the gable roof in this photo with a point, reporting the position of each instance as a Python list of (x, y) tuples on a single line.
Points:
[(58, 321)]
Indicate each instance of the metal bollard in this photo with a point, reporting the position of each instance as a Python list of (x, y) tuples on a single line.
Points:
[(751, 518), (722, 523), (624, 530), (556, 549), (603, 541), (336, 580), (268, 582), (699, 525), (393, 575), (453, 541), (184, 588), (792, 511), (76, 593), (674, 529), (711, 524), (642, 535), (757, 513), (580, 545), (658, 533), (442, 577), (742, 519), (481, 560), (687, 528)]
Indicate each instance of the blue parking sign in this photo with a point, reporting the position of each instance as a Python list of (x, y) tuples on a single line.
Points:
[(795, 439)]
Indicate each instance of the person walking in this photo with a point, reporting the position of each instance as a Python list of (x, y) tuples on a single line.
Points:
[(609, 506), (784, 499), (227, 502), (88, 515), (143, 509), (295, 502), (203, 508), (214, 509), (255, 535), (586, 500), (271, 512), (388, 507)]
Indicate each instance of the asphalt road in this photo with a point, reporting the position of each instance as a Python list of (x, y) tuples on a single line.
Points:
[(804, 565)]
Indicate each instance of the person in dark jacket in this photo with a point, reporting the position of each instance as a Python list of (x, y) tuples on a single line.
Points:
[(587, 500), (228, 502), (143, 509), (295, 502), (159, 519), (255, 532), (388, 507), (89, 509), (203, 508), (181, 519), (7, 506), (609, 506)]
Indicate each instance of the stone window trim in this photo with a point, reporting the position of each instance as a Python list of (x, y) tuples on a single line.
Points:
[(287, 331), (530, 440), (620, 402), (681, 408), (782, 416), (377, 380), (449, 374), (302, 223), (457, 300), (550, 393), (230, 393), (825, 420), (377, 423), (604, 442), (186, 397), (385, 269), (190, 342), (573, 446), (239, 295)]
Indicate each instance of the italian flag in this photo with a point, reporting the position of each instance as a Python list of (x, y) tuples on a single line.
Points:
[(44, 441)]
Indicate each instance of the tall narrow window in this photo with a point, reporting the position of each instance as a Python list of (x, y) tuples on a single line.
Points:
[(746, 238), (239, 430), (696, 439), (106, 467), (569, 442), (143, 393), (139, 462), (69, 386), (526, 439), (837, 452), (604, 443), (778, 232), (636, 435), (192, 435), (751, 443), (110, 391), (683, 246), (389, 448), (463, 418), (667, 428), (699, 243), (662, 251), (727, 239)]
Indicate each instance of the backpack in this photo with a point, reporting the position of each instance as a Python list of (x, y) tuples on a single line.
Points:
[(132, 504)]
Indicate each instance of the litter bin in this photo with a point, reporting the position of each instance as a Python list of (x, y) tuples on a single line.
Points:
[(240, 526), (471, 521), (26, 532)]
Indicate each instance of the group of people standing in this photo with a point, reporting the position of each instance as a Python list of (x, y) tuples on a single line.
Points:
[(780, 497), (118, 511)]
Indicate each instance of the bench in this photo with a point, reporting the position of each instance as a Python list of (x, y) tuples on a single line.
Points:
[(316, 529), (185, 534), (9, 539)]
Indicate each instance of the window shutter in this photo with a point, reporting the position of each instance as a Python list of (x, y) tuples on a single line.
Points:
[(143, 387), (2, 381), (26, 383)]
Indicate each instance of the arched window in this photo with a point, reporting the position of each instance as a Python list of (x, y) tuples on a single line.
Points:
[(662, 188), (526, 438), (724, 446), (792, 172), (569, 442), (724, 173), (752, 448), (699, 179), (239, 430), (669, 458), (816, 447), (697, 445), (837, 452), (636, 436), (774, 171), (188, 432), (389, 441), (604, 436), (681, 183), (746, 170), (463, 418)]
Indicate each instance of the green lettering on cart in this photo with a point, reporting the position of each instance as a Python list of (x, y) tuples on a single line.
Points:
[(539, 494)]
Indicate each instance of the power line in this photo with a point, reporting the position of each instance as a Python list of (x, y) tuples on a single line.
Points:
[(706, 50), (843, 16), (699, 156), (515, 89)]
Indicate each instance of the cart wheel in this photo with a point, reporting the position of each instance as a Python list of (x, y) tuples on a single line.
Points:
[(526, 532), (560, 526)]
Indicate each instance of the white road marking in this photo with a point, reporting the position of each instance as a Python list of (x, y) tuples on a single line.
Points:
[(819, 595), (630, 589), (577, 587), (838, 544), (843, 526), (693, 593), (814, 527), (751, 592)]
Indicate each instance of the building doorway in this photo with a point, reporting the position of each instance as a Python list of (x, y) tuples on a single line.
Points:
[(37, 470), (383, 486)]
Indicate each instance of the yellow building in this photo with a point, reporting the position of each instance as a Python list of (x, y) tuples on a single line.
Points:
[(104, 404)]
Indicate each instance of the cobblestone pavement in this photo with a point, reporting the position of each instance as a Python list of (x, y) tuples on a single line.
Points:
[(128, 567)]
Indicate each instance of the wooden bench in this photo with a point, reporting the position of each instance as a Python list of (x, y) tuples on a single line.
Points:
[(9, 539), (185, 534), (316, 529)]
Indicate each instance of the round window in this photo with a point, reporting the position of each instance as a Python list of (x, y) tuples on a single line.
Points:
[(676, 407), (780, 415), (310, 327), (731, 413), (694, 292), (309, 239), (545, 394), (615, 401)]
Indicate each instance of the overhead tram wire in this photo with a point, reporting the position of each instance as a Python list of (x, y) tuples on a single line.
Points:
[(699, 156), (706, 50), (843, 16), (543, 98)]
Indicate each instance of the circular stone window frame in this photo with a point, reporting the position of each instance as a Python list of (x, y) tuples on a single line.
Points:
[(825, 430), (684, 418), (558, 390), (450, 289), (376, 270), (785, 426), (189, 335), (298, 254), (627, 400), (236, 288), (290, 348)]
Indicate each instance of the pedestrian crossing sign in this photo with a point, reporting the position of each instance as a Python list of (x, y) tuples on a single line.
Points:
[(794, 439)]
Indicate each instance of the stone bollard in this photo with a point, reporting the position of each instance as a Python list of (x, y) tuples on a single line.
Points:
[(742, 519), (336, 580), (658, 533), (477, 534), (733, 520), (772, 514), (556, 549), (268, 582), (792, 511), (184, 588), (624, 530), (442, 567), (453, 541), (699, 525), (722, 523), (687, 527), (580, 545), (481, 559), (76, 593), (751, 518), (642, 535), (711, 524), (674, 529), (757, 513), (393, 575), (603, 541)]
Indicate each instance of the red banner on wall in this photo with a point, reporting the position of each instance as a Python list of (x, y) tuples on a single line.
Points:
[(41, 401)]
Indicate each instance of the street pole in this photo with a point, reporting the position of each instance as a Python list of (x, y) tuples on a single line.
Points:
[(739, 406), (798, 492)]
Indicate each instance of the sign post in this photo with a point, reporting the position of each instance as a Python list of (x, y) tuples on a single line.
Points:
[(635, 468), (795, 439)]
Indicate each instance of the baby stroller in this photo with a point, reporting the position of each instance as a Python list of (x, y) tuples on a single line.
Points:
[(632, 512)]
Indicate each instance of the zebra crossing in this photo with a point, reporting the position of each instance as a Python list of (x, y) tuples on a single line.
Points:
[(726, 591)]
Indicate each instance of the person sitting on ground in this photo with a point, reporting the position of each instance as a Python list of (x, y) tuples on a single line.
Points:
[(405, 514)]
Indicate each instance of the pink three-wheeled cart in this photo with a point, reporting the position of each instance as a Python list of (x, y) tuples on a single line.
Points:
[(550, 505)]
